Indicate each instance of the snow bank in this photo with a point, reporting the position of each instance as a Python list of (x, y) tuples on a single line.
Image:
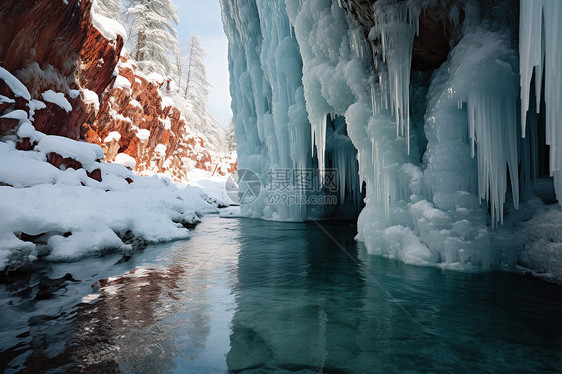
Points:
[(18, 114), (89, 97), (143, 134), (85, 153), (112, 136), (122, 83), (77, 216), (25, 172)]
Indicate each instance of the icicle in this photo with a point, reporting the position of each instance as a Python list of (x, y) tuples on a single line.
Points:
[(543, 54), (318, 131), (490, 122), (397, 24)]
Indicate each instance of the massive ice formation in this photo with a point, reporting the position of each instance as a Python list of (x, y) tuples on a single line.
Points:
[(313, 87)]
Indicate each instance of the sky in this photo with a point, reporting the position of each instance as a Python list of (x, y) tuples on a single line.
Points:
[(205, 18)]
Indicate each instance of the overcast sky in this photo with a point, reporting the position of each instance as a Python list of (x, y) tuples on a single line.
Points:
[(204, 16)]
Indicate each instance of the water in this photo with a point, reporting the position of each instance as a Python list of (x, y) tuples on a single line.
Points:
[(247, 296)]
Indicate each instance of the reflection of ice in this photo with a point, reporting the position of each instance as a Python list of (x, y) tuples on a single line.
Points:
[(298, 307)]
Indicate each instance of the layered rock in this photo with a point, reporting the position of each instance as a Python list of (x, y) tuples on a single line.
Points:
[(54, 45), (151, 129), (51, 45)]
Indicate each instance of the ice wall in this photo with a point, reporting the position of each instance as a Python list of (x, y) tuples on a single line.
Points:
[(271, 125), (276, 127), (312, 88)]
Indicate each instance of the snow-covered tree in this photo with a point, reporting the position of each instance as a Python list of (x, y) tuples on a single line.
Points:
[(230, 137), (197, 85), (155, 40), (195, 89), (108, 8)]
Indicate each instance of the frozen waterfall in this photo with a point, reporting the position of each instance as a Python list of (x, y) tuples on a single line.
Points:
[(313, 88)]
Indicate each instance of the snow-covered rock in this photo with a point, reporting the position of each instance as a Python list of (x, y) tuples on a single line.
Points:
[(77, 216)]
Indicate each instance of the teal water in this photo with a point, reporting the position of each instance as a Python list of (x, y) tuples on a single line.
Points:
[(248, 296)]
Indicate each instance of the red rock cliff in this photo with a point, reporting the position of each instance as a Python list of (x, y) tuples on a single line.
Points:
[(50, 45), (151, 129)]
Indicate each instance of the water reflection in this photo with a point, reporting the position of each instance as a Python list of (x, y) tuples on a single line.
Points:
[(253, 296), (299, 301), (304, 306), (153, 316)]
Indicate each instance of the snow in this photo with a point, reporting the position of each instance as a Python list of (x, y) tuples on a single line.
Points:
[(74, 94), (25, 172), (125, 160), (35, 105), (122, 83), (57, 98), (4, 99), (15, 85), (108, 27), (167, 101), (155, 78), (85, 153), (77, 216), (143, 134), (89, 97), (160, 150), (112, 136), (136, 103), (18, 114)]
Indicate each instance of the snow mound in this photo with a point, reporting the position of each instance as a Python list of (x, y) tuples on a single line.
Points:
[(108, 27), (15, 85), (114, 135), (57, 98), (125, 160), (122, 83), (85, 153), (91, 98)]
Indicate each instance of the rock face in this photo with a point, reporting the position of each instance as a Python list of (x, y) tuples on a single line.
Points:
[(53, 45), (151, 129), (432, 46), (50, 45)]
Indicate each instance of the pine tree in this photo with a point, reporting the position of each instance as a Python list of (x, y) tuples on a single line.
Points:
[(196, 83), (230, 137), (155, 37), (108, 8), (196, 91)]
